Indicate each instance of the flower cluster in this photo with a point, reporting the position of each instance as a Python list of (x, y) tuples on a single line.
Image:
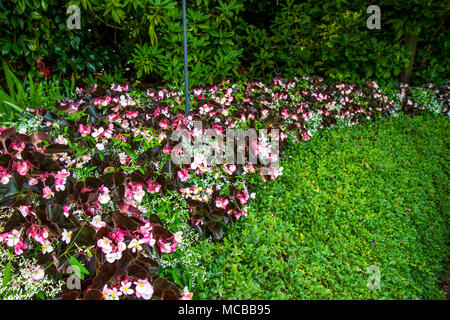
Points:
[(79, 184)]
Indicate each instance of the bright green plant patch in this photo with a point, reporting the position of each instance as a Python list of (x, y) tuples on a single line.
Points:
[(350, 198)]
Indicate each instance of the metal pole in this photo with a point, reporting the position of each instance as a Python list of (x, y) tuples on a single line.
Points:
[(186, 81)]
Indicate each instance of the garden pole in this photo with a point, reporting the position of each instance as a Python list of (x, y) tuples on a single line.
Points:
[(186, 82)]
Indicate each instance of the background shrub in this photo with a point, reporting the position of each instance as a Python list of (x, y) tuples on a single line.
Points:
[(228, 38)]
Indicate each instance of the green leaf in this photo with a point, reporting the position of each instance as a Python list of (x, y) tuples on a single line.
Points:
[(78, 268), (6, 274)]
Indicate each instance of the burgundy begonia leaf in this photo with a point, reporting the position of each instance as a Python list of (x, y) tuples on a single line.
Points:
[(169, 294), (215, 229), (161, 284), (57, 148), (121, 220), (55, 214), (149, 264), (104, 274), (86, 236), (155, 219), (94, 183), (15, 220), (135, 270), (72, 295), (7, 133), (12, 188), (93, 294)]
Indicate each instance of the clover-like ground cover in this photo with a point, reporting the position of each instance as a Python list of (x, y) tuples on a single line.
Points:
[(373, 194)]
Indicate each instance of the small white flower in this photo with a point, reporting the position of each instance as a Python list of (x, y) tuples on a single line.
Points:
[(13, 238), (66, 236), (135, 245), (46, 247), (121, 246), (126, 288), (105, 245), (38, 274), (97, 222), (144, 289), (104, 198), (178, 237), (111, 257), (97, 132), (138, 195)]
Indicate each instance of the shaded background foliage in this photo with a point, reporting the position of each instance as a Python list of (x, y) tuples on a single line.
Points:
[(142, 39)]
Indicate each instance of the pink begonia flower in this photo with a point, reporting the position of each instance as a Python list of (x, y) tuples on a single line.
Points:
[(183, 175), (48, 193), (135, 245), (243, 196), (178, 237), (84, 130), (132, 114), (66, 211), (60, 184), (305, 136), (20, 246), (113, 256), (13, 238), (119, 235), (24, 210), (221, 203), (97, 222), (152, 186), (5, 177), (138, 193), (121, 246), (104, 198), (124, 158), (165, 247), (167, 149), (125, 287), (97, 132), (63, 174), (111, 294), (46, 247), (186, 295), (148, 239), (18, 146), (105, 244), (164, 124), (230, 168), (22, 168)]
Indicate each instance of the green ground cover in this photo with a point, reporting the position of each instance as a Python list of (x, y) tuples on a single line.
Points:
[(372, 194)]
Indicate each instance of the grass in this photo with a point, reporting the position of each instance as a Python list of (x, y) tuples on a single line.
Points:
[(373, 194)]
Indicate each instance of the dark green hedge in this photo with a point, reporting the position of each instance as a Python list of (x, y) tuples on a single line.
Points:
[(227, 38)]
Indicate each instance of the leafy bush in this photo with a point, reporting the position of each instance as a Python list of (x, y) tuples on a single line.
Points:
[(227, 39), (374, 194)]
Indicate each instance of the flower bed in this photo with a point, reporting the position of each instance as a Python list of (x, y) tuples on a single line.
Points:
[(90, 187)]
